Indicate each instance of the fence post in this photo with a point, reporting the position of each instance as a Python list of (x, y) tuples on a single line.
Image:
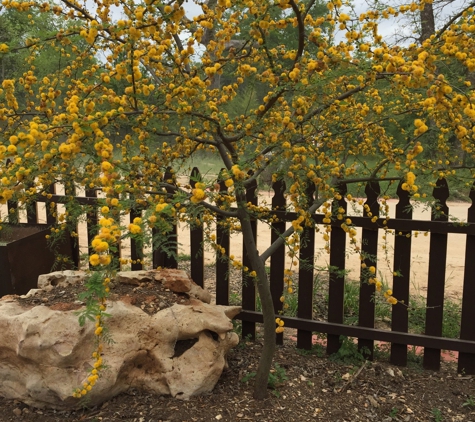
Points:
[(32, 212), (196, 241), (12, 206), (222, 263), (336, 288), (161, 258), (369, 250), (136, 251), (70, 194), (401, 283), (306, 262), (466, 361), (248, 285), (436, 277), (92, 221), (277, 259), (51, 211)]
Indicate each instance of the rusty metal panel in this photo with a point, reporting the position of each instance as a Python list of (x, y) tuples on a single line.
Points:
[(24, 255)]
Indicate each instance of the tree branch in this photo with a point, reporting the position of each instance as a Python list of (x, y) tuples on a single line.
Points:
[(452, 20)]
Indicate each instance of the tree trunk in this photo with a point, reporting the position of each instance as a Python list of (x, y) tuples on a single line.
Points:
[(263, 288), (427, 22)]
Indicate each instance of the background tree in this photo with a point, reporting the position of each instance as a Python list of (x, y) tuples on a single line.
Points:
[(323, 105)]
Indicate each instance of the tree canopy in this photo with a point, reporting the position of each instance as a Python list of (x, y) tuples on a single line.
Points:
[(135, 88)]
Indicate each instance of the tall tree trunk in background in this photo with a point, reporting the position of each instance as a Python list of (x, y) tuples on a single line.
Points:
[(208, 36), (427, 22)]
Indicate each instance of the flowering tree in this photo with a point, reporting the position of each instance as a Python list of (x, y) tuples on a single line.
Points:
[(139, 87)]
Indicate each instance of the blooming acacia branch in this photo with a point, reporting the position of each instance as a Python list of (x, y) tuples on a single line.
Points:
[(441, 31), (207, 205)]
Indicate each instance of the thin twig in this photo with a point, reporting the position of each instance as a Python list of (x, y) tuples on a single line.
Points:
[(347, 384)]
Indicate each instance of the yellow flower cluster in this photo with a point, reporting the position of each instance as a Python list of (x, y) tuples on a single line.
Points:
[(409, 185), (421, 127), (135, 226), (388, 294), (97, 354), (198, 194), (108, 234), (237, 172), (280, 325), (94, 374), (376, 282)]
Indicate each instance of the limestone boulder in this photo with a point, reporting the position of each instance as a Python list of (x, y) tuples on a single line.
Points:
[(178, 351), (65, 278), (175, 280)]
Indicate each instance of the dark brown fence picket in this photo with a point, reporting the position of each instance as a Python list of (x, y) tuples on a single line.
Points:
[(70, 192), (277, 259), (336, 287), (248, 285), (222, 262), (196, 241), (136, 249), (401, 281), (50, 206), (32, 213), (436, 286), (13, 210), (92, 220), (306, 276), (466, 361), (369, 249), (167, 259)]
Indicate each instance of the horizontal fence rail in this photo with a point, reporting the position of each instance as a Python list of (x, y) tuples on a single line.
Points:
[(370, 222)]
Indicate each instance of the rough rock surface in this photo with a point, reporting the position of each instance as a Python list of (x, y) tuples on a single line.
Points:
[(179, 351), (175, 280), (60, 278)]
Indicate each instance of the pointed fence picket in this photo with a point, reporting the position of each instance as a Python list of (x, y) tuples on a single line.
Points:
[(401, 277), (277, 259), (336, 287), (466, 361), (403, 226)]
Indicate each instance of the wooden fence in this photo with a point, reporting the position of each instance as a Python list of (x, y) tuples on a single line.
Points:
[(366, 333)]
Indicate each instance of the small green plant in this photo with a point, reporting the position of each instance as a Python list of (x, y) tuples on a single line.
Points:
[(382, 352), (470, 402), (234, 299), (348, 353), (237, 328), (437, 415), (414, 359), (276, 377), (318, 349), (393, 413), (183, 257), (450, 324)]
